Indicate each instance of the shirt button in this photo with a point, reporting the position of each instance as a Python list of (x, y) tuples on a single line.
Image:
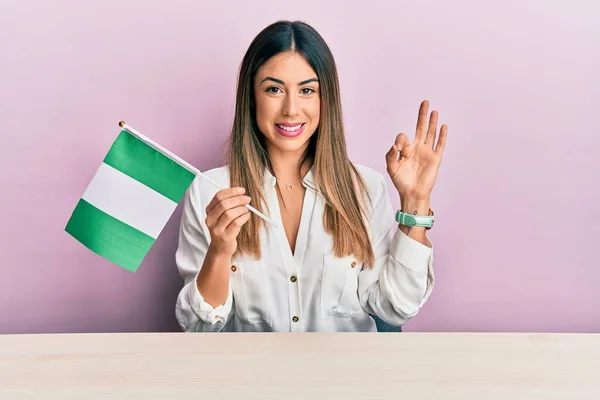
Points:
[(353, 264), (233, 268), (295, 319), (293, 278)]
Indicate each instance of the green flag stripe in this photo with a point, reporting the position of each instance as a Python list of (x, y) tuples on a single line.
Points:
[(108, 237), (149, 166)]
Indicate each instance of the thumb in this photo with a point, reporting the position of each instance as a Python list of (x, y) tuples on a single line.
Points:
[(393, 155), (402, 141)]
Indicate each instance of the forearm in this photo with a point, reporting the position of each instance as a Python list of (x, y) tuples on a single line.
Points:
[(418, 207), (213, 279), (401, 279)]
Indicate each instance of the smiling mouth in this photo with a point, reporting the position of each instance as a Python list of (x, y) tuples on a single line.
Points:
[(292, 128)]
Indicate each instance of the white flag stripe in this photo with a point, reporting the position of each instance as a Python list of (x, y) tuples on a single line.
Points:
[(129, 201)]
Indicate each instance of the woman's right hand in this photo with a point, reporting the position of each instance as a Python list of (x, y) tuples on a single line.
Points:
[(225, 215)]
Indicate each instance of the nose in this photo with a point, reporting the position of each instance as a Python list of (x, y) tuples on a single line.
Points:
[(290, 108)]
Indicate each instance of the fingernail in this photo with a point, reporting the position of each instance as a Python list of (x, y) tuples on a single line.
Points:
[(241, 190)]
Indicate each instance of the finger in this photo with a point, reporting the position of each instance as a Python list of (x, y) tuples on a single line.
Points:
[(227, 217), (402, 141), (441, 143), (392, 159), (223, 206), (393, 156), (422, 121), (233, 229), (222, 195), (431, 131)]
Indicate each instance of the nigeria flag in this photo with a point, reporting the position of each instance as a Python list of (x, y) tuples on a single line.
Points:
[(130, 199)]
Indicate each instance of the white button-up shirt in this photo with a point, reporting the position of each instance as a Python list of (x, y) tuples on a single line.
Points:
[(311, 289)]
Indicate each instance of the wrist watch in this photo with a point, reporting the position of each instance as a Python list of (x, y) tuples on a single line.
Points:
[(415, 220)]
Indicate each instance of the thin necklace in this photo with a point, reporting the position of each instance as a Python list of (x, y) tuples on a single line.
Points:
[(288, 186)]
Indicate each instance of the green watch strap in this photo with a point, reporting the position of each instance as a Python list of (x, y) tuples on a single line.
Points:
[(414, 220)]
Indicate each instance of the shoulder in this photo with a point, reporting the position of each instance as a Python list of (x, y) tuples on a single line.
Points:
[(375, 181), (377, 187)]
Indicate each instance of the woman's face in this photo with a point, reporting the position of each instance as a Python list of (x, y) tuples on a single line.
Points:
[(287, 102)]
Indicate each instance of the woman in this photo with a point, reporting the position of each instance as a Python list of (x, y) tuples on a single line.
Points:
[(338, 256)]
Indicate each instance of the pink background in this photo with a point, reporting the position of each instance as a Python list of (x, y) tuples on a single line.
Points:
[(517, 207)]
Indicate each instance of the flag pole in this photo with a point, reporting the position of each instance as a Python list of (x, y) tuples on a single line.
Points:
[(185, 164)]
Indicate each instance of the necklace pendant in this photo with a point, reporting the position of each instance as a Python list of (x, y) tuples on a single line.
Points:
[(288, 186)]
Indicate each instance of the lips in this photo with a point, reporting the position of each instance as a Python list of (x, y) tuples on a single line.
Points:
[(290, 130)]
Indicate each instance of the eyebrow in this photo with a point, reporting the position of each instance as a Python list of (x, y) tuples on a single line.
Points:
[(269, 78)]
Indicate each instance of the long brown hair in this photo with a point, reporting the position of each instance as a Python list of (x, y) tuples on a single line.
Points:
[(336, 178)]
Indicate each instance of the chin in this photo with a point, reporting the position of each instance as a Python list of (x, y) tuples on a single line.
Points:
[(289, 145)]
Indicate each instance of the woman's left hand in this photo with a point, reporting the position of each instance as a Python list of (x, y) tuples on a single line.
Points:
[(414, 170)]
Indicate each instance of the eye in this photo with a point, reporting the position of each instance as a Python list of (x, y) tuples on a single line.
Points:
[(273, 89), (307, 90)]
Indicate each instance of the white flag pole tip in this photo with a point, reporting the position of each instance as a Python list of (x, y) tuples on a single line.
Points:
[(123, 125)]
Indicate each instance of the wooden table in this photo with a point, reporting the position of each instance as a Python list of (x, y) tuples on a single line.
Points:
[(300, 366)]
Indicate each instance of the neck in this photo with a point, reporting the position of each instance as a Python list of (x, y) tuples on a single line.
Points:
[(286, 166)]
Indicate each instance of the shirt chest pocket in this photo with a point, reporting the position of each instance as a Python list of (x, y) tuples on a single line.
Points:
[(339, 286), (249, 285)]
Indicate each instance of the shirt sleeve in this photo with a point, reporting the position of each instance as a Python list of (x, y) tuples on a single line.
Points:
[(192, 312), (401, 279)]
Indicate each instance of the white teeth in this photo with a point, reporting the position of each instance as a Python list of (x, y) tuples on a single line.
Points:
[(289, 128)]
